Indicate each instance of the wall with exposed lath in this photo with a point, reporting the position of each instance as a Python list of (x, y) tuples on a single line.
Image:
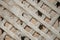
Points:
[(29, 19)]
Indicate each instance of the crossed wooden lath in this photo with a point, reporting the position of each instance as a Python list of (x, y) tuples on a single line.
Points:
[(29, 20)]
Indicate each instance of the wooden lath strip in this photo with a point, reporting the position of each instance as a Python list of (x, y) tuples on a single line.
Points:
[(53, 20), (19, 27), (3, 36), (40, 3), (39, 19), (52, 6), (59, 26)]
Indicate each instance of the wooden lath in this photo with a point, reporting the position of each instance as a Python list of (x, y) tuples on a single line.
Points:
[(29, 20)]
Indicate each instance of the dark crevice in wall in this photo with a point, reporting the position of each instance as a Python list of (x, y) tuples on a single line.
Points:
[(39, 13), (57, 4)]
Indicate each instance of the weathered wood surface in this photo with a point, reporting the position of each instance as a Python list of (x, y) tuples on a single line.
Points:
[(29, 20)]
